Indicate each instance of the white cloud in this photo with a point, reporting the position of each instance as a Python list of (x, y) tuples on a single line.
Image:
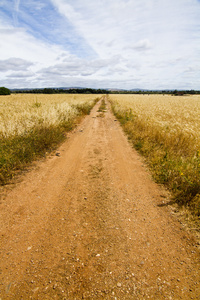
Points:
[(127, 43), (142, 45), (23, 74), (16, 42), (73, 66), (14, 64)]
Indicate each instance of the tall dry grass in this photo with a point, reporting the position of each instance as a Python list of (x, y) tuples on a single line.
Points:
[(31, 125), (19, 113), (165, 129)]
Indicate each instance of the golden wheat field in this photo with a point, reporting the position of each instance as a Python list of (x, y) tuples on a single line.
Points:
[(19, 113), (32, 125), (171, 115), (165, 129)]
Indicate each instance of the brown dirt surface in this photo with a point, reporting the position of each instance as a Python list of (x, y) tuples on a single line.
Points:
[(88, 223)]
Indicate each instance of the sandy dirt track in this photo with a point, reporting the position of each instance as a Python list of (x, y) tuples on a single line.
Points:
[(88, 224)]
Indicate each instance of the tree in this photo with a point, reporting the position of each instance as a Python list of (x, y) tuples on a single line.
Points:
[(4, 91)]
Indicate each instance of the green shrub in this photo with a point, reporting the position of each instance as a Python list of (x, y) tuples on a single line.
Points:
[(4, 91)]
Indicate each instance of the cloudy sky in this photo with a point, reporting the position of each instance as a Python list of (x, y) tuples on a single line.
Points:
[(150, 44)]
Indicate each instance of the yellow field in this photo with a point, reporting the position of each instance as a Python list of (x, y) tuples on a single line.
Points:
[(166, 130), (32, 125), (170, 114), (21, 112)]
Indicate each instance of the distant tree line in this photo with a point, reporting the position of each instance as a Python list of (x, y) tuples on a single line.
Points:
[(64, 91), (4, 91), (167, 92), (181, 93)]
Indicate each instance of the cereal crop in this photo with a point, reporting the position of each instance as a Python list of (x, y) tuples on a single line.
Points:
[(19, 113), (31, 125), (165, 129)]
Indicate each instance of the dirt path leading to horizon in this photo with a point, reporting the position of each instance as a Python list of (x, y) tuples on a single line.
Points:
[(87, 224)]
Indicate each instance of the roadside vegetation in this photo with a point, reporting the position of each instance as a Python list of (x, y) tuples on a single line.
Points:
[(32, 125), (165, 129)]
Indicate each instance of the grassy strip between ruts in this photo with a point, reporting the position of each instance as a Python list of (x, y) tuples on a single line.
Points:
[(18, 151), (168, 160), (102, 106)]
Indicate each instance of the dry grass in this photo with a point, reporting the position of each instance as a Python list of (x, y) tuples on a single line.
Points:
[(19, 113), (31, 125), (165, 129)]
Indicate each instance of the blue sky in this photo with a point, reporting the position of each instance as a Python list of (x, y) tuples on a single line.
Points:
[(151, 44)]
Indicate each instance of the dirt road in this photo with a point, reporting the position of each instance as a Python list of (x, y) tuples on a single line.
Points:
[(87, 224)]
